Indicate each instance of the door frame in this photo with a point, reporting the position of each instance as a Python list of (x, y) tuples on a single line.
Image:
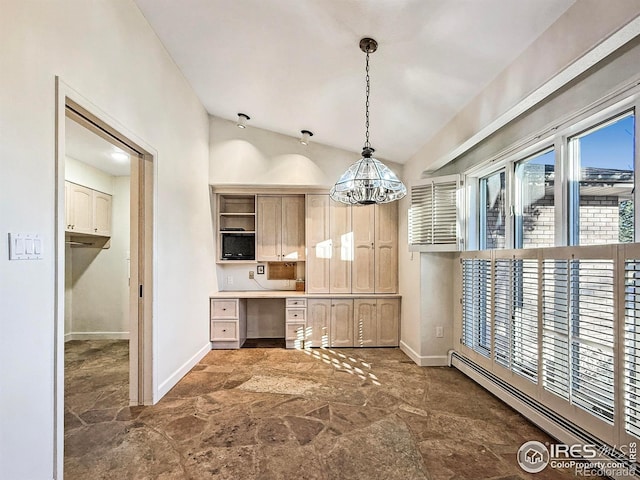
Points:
[(142, 368)]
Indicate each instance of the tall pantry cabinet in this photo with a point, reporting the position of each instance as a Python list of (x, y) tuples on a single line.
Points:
[(351, 249)]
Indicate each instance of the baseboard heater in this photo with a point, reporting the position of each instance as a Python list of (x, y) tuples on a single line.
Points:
[(555, 425)]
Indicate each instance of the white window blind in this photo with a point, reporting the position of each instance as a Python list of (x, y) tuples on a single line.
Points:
[(433, 216), (555, 324), (524, 343), (515, 316), (476, 305), (632, 348), (592, 336), (577, 341)]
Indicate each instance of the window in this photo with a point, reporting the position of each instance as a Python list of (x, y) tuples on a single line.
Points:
[(493, 216), (535, 201), (601, 190)]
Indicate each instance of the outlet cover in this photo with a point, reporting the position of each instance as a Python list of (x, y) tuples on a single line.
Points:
[(439, 332)]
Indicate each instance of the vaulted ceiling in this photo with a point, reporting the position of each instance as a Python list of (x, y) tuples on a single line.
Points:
[(296, 64)]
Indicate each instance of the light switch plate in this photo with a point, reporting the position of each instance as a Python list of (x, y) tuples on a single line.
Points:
[(25, 246)]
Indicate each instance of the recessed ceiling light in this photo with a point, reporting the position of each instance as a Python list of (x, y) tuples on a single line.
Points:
[(306, 135), (120, 156), (242, 120)]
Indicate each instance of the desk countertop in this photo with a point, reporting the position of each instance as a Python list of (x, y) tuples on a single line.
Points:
[(293, 293)]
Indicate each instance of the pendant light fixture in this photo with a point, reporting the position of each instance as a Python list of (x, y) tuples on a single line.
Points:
[(368, 181)]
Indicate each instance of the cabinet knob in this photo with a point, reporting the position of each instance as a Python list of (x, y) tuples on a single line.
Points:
[(224, 309), (295, 315), (224, 329), (95, 229)]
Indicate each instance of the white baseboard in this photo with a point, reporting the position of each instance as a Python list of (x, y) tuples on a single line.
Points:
[(176, 376), (424, 360), (96, 336)]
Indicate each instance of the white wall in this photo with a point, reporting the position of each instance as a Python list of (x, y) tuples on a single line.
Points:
[(574, 34), (99, 280), (253, 156), (84, 174), (106, 51)]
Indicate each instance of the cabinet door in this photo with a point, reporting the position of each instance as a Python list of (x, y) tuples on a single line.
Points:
[(365, 330), (341, 323), (269, 240), (362, 268), (318, 320), (101, 214), (293, 228), (342, 247), (318, 244), (386, 246), (80, 201), (388, 313)]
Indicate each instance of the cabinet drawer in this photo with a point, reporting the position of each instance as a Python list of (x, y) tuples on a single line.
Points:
[(296, 302), (296, 314), (224, 331), (295, 331), (224, 308)]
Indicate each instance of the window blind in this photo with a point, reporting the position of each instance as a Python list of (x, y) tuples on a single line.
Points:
[(555, 325), (515, 316), (632, 348), (476, 305), (592, 318), (433, 216)]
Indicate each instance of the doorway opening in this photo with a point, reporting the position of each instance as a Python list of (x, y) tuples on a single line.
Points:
[(104, 270)]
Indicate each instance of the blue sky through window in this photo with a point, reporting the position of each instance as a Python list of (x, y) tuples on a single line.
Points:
[(609, 147)]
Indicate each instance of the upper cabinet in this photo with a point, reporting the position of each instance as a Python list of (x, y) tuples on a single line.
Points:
[(280, 230), (386, 248), (87, 211), (236, 215), (318, 244), (351, 249)]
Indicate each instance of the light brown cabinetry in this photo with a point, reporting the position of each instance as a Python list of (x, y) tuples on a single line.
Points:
[(351, 249), (341, 329), (280, 232), (386, 248), (87, 211), (228, 323), (318, 244), (359, 322), (236, 215), (363, 266), (318, 322), (295, 318), (376, 322), (341, 247)]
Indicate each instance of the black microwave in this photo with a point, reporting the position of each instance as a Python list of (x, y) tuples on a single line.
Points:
[(238, 246)]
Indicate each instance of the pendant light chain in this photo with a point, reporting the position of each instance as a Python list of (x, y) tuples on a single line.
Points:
[(366, 143), (368, 181)]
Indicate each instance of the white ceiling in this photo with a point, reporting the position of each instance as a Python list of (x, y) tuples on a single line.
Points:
[(296, 64), (88, 147)]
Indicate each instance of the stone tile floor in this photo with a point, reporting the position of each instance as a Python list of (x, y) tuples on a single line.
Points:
[(285, 414)]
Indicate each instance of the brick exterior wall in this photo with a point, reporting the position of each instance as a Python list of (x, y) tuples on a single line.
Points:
[(599, 222)]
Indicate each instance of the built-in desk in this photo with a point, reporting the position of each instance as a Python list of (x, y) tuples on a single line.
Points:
[(311, 320)]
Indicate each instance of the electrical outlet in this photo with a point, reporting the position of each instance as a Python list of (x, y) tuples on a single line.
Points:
[(229, 280), (439, 332), (250, 274)]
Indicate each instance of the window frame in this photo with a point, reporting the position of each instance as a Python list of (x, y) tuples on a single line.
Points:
[(556, 138)]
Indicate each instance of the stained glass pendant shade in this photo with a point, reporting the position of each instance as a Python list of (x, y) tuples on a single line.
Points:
[(368, 181)]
